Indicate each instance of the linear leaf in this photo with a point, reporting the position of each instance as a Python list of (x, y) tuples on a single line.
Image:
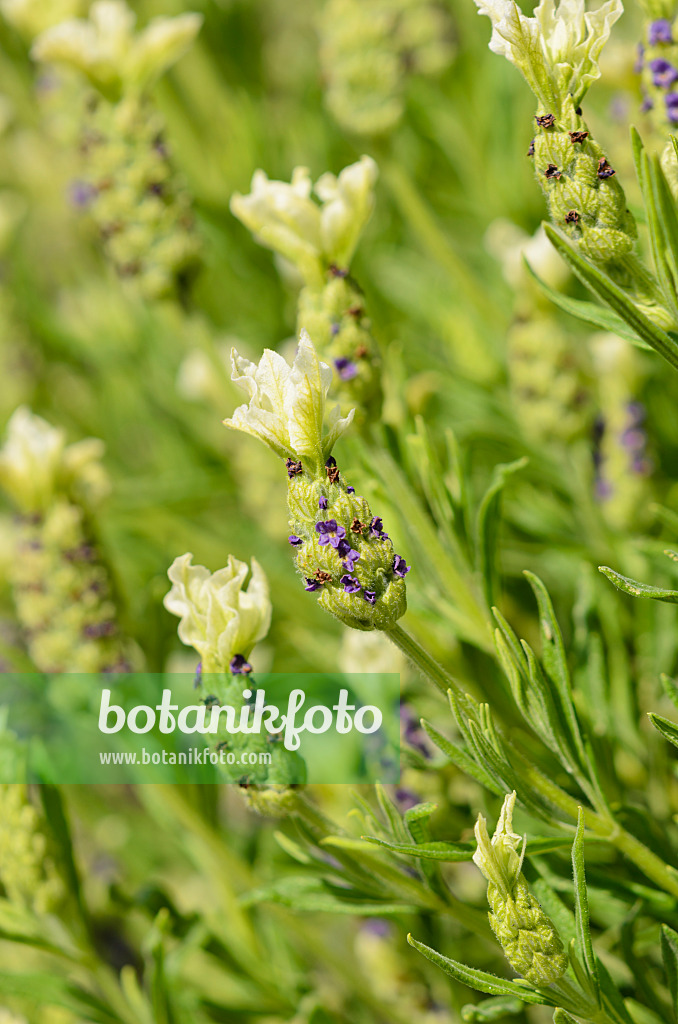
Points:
[(668, 729), (669, 940), (610, 293), (589, 312), (479, 980), (637, 589), (581, 907), (429, 851)]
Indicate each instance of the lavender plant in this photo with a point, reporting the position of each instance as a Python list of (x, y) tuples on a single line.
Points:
[(508, 441)]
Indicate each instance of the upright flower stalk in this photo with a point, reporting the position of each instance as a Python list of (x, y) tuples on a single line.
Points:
[(61, 587), (557, 52), (127, 182), (341, 549), (319, 239)]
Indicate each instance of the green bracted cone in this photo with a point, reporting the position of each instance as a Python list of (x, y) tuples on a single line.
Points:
[(335, 318), (584, 198), (62, 595), (343, 553), (529, 939)]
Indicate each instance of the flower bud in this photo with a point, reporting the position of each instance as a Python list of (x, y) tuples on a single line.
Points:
[(529, 939)]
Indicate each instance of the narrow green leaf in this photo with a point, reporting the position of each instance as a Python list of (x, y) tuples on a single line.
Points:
[(479, 980), (561, 1016), (581, 907), (636, 589), (487, 526), (669, 940), (451, 852), (491, 1009), (463, 760), (611, 294), (668, 729), (589, 312), (611, 997)]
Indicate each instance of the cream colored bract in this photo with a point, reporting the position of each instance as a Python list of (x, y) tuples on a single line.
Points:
[(286, 408), (220, 616)]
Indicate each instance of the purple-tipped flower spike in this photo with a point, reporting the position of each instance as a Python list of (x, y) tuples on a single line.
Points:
[(294, 540), (663, 73), (400, 567), (322, 502), (659, 32), (350, 584), (346, 368), (329, 532), (239, 665)]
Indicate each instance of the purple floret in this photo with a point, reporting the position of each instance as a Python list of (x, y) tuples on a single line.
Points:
[(350, 584), (400, 567), (659, 32)]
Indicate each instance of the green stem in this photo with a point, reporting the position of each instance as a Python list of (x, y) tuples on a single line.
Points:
[(427, 665)]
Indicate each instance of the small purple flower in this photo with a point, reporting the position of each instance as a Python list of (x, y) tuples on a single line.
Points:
[(198, 676), (322, 502), (370, 596), (334, 329), (330, 532), (663, 73), (659, 32), (346, 368), (646, 105), (294, 540), (352, 556), (377, 528), (312, 585), (672, 106), (81, 194), (400, 567), (239, 666), (350, 490), (350, 584)]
